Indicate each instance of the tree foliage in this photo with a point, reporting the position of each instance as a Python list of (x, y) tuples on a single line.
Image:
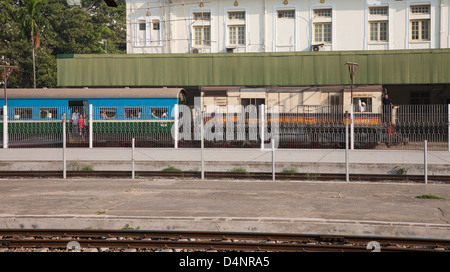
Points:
[(77, 29)]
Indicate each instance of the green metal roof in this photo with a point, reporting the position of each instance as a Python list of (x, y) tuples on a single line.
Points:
[(255, 69)]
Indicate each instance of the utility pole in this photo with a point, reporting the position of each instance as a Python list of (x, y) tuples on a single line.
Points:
[(7, 70)]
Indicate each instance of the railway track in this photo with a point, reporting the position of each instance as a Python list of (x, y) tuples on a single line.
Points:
[(176, 241), (226, 175)]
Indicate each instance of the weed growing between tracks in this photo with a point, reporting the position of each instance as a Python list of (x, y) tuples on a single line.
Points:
[(429, 196)]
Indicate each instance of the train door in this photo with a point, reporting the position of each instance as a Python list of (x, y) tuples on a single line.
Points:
[(82, 108), (78, 105)]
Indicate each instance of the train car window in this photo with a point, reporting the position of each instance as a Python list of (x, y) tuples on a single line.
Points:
[(107, 113), (420, 98), (362, 104), (133, 112), (252, 101), (23, 113), (159, 112), (48, 113)]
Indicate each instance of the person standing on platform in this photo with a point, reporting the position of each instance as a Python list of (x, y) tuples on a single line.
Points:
[(74, 118), (81, 125)]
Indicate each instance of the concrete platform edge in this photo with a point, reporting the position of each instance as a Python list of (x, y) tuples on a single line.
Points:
[(232, 224)]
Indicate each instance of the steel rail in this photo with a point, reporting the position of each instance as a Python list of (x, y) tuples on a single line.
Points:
[(199, 245), (210, 240)]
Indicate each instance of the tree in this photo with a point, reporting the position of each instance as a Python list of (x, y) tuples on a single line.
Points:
[(73, 29), (33, 23)]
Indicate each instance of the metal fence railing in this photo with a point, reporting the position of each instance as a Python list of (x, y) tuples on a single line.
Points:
[(398, 127)]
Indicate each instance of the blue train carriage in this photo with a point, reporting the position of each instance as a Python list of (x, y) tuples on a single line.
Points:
[(117, 113)]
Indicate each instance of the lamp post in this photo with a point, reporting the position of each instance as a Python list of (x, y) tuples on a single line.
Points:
[(351, 68), (7, 70)]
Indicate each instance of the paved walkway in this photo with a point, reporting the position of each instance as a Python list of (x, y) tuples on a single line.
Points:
[(304, 160), (318, 207)]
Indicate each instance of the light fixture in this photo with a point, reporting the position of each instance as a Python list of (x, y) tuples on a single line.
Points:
[(322, 1), (201, 4), (285, 2), (236, 3), (148, 13)]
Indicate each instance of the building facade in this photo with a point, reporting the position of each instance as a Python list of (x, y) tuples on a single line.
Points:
[(225, 26)]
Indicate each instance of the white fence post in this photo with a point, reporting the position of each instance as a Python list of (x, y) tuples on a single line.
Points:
[(273, 159), (352, 128), (262, 125), (132, 158), (425, 166), (177, 129), (202, 144), (91, 126), (347, 175), (64, 144), (5, 126)]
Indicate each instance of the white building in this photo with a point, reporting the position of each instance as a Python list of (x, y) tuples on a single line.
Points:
[(219, 26)]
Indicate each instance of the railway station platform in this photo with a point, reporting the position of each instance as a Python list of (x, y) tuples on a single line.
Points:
[(314, 161), (306, 207)]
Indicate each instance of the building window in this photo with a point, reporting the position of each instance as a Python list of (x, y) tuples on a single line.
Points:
[(420, 23), (155, 24), (420, 30), (236, 35), (378, 24), (201, 28), (236, 15), (420, 9), (378, 31), (236, 28), (142, 33), (202, 35), (322, 32), (322, 13), (373, 11), (202, 16), (322, 26), (288, 14), (142, 25)]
